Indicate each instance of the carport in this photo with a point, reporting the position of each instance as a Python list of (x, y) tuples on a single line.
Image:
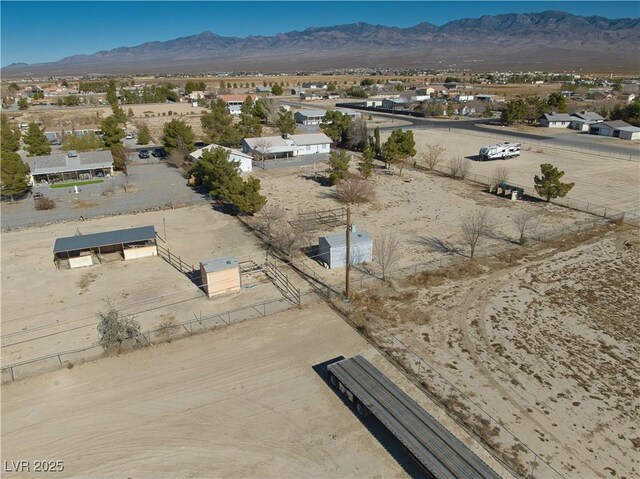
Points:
[(86, 250)]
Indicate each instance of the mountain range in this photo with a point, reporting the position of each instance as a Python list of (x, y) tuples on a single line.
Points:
[(546, 41)]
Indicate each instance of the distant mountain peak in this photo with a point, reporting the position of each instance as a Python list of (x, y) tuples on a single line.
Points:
[(545, 40)]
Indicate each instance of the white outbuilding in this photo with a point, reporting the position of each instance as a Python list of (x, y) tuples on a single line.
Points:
[(220, 276), (332, 249)]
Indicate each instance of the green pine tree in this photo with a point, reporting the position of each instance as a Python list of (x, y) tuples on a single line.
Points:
[(144, 135), (36, 143), (218, 125), (10, 135), (549, 185), (365, 167), (248, 199), (286, 124), (339, 162), (13, 174), (112, 132)]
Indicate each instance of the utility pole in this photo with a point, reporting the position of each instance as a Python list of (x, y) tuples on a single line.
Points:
[(348, 269)]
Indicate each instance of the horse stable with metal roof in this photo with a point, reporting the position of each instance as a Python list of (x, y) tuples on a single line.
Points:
[(86, 250)]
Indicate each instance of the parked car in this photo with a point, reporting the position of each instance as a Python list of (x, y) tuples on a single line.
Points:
[(143, 154), (129, 136), (159, 153), (37, 195)]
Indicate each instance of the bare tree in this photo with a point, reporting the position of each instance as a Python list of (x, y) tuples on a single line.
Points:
[(386, 253), (525, 221), (355, 190), (269, 216), (127, 183), (271, 108), (474, 226), (289, 239), (178, 155), (433, 155), (500, 175), (459, 167), (261, 149)]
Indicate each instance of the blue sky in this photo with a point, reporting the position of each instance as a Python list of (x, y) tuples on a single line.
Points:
[(47, 31)]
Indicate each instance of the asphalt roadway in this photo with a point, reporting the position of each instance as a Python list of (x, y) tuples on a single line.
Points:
[(491, 126)]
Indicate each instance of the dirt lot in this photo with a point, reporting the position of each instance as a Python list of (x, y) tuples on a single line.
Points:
[(423, 211), (599, 180), (45, 310), (547, 344), (238, 402)]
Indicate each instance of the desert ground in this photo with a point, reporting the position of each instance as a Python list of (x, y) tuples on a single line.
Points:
[(45, 310), (238, 402), (546, 342)]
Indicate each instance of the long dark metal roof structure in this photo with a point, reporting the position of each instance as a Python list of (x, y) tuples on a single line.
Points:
[(108, 238), (439, 451)]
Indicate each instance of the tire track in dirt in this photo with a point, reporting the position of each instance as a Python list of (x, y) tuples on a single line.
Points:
[(491, 285)]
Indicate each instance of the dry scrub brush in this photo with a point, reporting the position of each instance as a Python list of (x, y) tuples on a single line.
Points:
[(386, 253), (459, 167), (500, 174), (355, 189), (433, 155), (474, 226), (45, 204)]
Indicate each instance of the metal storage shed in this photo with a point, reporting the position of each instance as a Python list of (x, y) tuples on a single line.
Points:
[(332, 249), (80, 250), (220, 276)]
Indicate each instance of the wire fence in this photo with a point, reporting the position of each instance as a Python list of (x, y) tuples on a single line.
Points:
[(529, 191), (167, 332)]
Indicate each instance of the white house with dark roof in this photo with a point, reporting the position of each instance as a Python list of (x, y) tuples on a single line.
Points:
[(69, 166), (245, 162), (287, 146), (310, 117), (582, 120), (555, 120)]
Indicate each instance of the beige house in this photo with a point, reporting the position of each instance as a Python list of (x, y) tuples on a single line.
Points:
[(220, 276)]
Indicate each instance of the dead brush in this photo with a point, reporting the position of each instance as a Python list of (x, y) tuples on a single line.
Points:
[(355, 190), (45, 204)]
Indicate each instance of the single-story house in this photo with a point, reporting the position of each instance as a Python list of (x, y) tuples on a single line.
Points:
[(196, 95), (287, 146), (582, 120), (435, 90), (297, 91), (234, 102), (309, 117), (349, 112), (263, 89), (332, 249), (555, 120), (331, 95), (310, 95), (463, 110), (616, 129), (393, 103), (69, 166), (245, 162), (463, 98), (315, 85)]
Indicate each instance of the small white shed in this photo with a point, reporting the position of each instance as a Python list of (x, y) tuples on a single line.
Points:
[(332, 249), (220, 276)]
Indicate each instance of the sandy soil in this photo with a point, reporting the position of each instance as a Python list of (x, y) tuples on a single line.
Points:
[(422, 211), (239, 402), (548, 346), (599, 180), (62, 304)]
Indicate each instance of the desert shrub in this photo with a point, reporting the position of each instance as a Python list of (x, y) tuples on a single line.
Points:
[(45, 204), (115, 329), (459, 167), (355, 190)]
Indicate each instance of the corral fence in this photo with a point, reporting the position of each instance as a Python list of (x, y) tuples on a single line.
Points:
[(167, 332), (175, 261), (497, 439), (281, 281), (316, 219)]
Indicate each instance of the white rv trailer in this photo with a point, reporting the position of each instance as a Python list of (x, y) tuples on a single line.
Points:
[(501, 150)]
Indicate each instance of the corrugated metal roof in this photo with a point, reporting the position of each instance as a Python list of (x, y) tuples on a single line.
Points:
[(131, 235), (61, 162), (219, 264), (314, 113), (337, 240), (441, 452)]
